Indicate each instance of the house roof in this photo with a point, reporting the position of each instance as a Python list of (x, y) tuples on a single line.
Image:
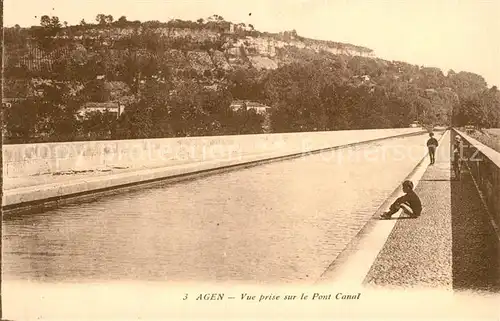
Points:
[(254, 104), (248, 103), (100, 105), (6, 100)]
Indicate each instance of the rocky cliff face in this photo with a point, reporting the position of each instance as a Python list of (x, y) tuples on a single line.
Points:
[(257, 50), (205, 54)]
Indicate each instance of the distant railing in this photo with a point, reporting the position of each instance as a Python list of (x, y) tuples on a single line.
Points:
[(484, 164)]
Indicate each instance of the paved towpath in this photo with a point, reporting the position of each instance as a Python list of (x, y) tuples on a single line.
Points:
[(452, 245)]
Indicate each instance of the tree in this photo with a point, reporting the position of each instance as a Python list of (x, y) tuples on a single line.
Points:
[(20, 125), (103, 19), (136, 121), (96, 91), (50, 27), (216, 18), (467, 84), (14, 38), (481, 109), (49, 117), (121, 22), (55, 22), (50, 23), (98, 125), (242, 122), (45, 21)]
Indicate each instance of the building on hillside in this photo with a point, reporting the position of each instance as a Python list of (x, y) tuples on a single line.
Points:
[(258, 107), (239, 27), (112, 107), (237, 105), (469, 129), (415, 124), (7, 102), (249, 105)]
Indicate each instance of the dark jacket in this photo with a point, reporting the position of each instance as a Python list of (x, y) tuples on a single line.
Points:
[(457, 147), (412, 199), (432, 142)]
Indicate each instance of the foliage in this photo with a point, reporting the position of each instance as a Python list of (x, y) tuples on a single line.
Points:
[(189, 110), (310, 90), (50, 116), (489, 137), (50, 27), (247, 84), (97, 126), (103, 19), (481, 109)]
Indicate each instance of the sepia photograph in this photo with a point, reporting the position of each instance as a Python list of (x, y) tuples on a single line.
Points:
[(257, 160)]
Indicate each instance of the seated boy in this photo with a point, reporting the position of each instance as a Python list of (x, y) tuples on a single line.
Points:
[(409, 203)]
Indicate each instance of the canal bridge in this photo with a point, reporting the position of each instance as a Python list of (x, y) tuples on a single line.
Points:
[(292, 209)]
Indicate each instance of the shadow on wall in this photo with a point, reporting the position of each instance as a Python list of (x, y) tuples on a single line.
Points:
[(475, 248)]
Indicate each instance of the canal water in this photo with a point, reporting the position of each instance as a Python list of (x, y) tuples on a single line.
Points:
[(282, 222)]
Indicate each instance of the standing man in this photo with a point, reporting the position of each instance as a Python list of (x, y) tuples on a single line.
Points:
[(432, 144), (457, 156)]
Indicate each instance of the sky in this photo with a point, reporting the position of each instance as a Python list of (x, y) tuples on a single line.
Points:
[(463, 35)]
